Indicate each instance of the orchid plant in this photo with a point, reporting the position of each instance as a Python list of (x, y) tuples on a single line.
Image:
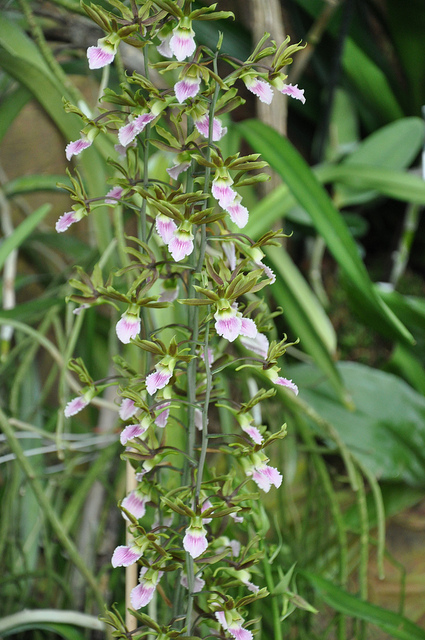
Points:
[(193, 520)]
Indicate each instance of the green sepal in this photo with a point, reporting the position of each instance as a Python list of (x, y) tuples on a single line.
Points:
[(170, 7), (208, 293), (262, 593), (260, 177), (260, 396), (98, 15), (158, 347), (77, 365), (178, 506)]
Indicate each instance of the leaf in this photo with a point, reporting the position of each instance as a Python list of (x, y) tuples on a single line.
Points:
[(55, 620), (396, 497), (28, 311), (411, 309), (11, 106), (392, 623), (30, 184), (409, 367), (385, 430), (269, 210), (22, 232), (370, 84), (394, 184), (305, 187), (63, 630), (344, 127), (305, 315), (21, 59), (394, 146)]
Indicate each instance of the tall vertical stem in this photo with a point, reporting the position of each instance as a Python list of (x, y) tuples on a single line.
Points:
[(192, 367)]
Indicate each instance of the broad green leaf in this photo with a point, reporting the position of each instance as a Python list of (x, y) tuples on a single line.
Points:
[(394, 146), (11, 106), (394, 184), (385, 430), (291, 276), (395, 625), (309, 193), (26, 227), (304, 313)]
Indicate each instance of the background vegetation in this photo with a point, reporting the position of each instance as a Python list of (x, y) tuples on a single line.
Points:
[(350, 282)]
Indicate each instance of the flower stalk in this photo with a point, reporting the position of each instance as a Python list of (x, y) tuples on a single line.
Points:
[(187, 251)]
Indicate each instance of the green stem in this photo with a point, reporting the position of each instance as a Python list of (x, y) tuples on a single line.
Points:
[(277, 625), (70, 342), (49, 512), (380, 517), (142, 220), (192, 366), (364, 548), (204, 443)]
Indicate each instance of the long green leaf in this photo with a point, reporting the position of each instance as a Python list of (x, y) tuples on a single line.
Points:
[(305, 315), (370, 83), (30, 184), (10, 108), (310, 194), (62, 630), (394, 146), (22, 232), (20, 58), (406, 363), (394, 184), (392, 623), (396, 496), (62, 622), (28, 311)]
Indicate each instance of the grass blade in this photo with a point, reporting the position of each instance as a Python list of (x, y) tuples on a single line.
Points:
[(26, 227), (392, 623)]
